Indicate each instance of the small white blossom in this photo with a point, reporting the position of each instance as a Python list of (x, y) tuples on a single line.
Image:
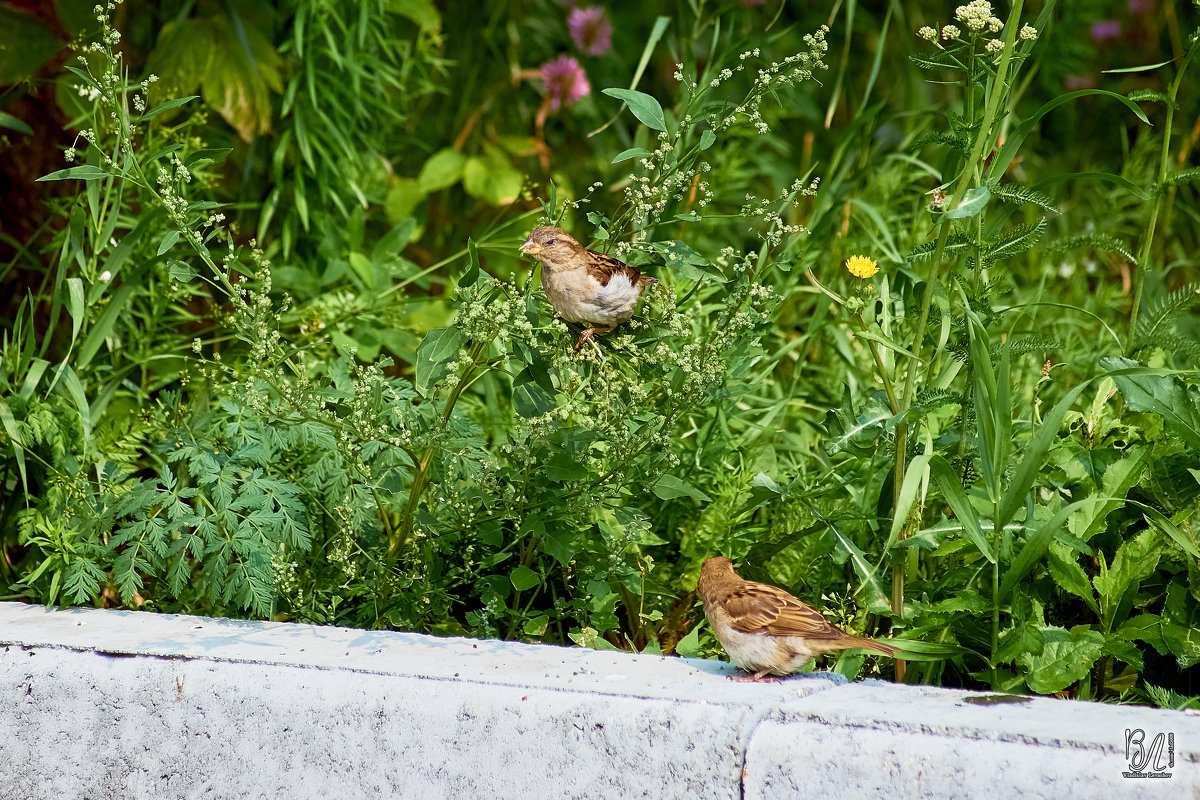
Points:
[(927, 33), (950, 32), (1028, 33)]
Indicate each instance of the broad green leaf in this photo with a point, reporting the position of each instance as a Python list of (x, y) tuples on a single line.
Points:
[(973, 201), (1160, 394), (1064, 568), (180, 271), (402, 199), (168, 241), (1066, 657), (562, 467), (422, 12), (668, 487), (523, 578), (1181, 625), (689, 646), (707, 139), (536, 626), (560, 544), (434, 353), (444, 168), (643, 106)]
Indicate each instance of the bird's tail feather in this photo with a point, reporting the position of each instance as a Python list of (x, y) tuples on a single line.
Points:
[(870, 644)]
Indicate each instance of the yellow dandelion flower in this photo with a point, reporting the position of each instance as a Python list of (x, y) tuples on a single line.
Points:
[(861, 266)]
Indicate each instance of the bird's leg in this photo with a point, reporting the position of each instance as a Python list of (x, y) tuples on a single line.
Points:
[(588, 335), (756, 677)]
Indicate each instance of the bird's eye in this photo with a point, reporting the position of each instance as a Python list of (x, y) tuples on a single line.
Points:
[(550, 241)]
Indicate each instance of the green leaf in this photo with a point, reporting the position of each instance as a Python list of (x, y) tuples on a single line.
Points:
[(168, 241), (1036, 544), (973, 201), (434, 353), (684, 260), (104, 325), (536, 626), (472, 274), (562, 467), (668, 487), (1145, 68), (13, 123), (162, 108), (1066, 657), (402, 199), (643, 106), (707, 139), (1181, 625), (522, 578), (560, 544), (689, 646), (952, 489), (422, 12), (180, 271), (1035, 455), (14, 437), (1064, 568), (443, 169), (1015, 139), (84, 173), (633, 152), (1160, 394), (27, 44), (365, 269)]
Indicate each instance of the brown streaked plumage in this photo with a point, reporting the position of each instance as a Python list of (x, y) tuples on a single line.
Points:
[(765, 630), (582, 285)]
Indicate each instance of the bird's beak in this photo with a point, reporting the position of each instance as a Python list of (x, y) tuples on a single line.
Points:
[(530, 248)]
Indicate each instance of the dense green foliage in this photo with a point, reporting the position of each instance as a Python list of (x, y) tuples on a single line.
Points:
[(270, 350)]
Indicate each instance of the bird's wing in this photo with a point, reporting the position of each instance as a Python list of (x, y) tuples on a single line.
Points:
[(602, 268), (760, 608)]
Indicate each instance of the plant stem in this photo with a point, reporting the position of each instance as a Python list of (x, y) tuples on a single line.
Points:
[(969, 172), (1155, 201)]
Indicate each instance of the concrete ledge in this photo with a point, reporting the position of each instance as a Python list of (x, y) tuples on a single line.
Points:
[(126, 704)]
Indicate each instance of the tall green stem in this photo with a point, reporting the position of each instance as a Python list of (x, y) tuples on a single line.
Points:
[(1155, 199), (970, 171)]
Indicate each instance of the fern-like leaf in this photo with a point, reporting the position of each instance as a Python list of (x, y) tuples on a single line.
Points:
[(1097, 241), (1021, 195), (1017, 240), (1160, 317)]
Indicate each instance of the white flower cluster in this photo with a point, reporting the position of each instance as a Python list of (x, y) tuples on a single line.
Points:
[(977, 17)]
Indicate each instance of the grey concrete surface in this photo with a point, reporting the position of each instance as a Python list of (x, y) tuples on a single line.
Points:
[(107, 704)]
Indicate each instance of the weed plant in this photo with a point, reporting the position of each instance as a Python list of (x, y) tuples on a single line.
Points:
[(923, 349)]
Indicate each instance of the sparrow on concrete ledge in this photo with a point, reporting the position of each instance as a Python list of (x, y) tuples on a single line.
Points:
[(582, 285), (765, 630)]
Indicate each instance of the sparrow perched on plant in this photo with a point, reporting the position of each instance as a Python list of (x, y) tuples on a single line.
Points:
[(764, 629), (583, 285)]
